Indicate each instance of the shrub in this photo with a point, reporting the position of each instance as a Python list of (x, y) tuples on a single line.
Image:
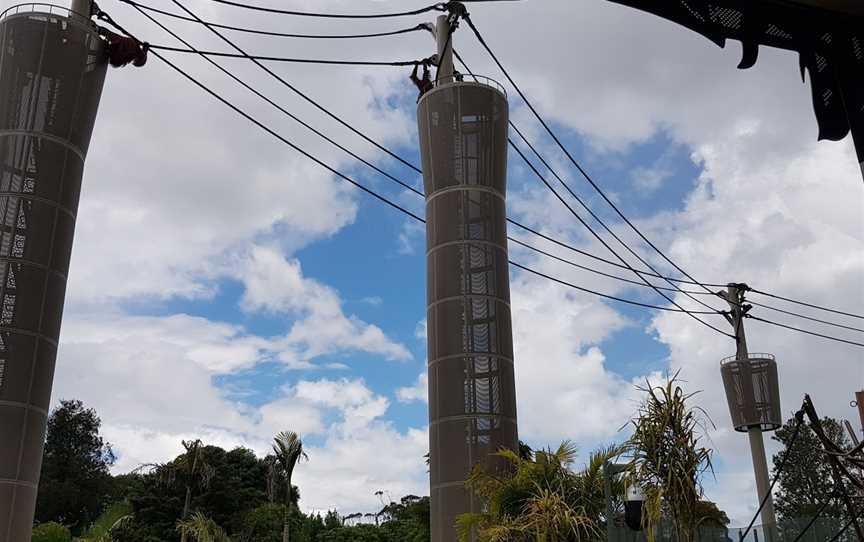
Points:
[(51, 532)]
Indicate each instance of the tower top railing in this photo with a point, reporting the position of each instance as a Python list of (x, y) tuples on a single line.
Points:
[(753, 356), (471, 79), (39, 7)]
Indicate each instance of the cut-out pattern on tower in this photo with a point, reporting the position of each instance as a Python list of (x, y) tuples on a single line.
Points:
[(52, 69), (472, 406)]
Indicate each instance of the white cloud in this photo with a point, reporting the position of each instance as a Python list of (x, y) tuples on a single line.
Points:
[(649, 179), (274, 284), (419, 392)]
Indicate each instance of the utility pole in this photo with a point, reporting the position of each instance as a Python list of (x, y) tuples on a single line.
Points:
[(472, 393), (444, 35), (738, 309), (82, 7)]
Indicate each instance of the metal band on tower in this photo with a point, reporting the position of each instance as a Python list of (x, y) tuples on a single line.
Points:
[(472, 398)]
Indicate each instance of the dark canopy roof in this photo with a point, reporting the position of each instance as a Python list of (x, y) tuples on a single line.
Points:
[(828, 35)]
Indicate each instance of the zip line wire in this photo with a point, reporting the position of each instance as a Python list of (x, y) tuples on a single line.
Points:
[(367, 190), (594, 232), (279, 107), (570, 156), (605, 244), (587, 208), (301, 93), (241, 51), (140, 9), (132, 3), (400, 63), (434, 7), (410, 188), (372, 192), (418, 170)]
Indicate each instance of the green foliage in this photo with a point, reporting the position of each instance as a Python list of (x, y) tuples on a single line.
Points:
[(807, 478), (667, 459), (237, 486), (75, 484), (538, 498), (108, 524), (200, 528), (51, 532)]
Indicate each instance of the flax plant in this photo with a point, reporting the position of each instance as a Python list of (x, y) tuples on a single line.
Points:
[(668, 460)]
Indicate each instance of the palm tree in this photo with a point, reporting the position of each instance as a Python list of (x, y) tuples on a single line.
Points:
[(196, 469), (288, 448), (201, 529)]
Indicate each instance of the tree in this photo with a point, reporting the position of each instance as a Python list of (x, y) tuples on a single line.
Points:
[(668, 460), (288, 448), (197, 472), (75, 483), (807, 477)]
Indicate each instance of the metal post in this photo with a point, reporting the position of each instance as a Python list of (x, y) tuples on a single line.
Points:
[(607, 489), (82, 7), (859, 399), (445, 47), (735, 297)]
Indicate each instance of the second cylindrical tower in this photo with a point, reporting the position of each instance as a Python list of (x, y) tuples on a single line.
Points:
[(472, 397)]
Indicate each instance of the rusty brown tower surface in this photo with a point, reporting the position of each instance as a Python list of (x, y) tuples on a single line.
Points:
[(52, 68), (472, 397)]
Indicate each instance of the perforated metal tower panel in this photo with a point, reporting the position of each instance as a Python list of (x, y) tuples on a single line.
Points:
[(52, 68), (753, 392), (472, 396)]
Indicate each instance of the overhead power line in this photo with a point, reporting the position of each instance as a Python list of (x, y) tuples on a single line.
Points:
[(790, 313), (570, 156), (256, 31), (607, 296), (256, 58), (805, 304), (605, 244), (433, 7), (799, 330)]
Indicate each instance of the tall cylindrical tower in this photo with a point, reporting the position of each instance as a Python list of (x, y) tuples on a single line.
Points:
[(52, 67), (472, 396)]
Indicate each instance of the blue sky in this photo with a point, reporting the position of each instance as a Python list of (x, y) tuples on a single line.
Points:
[(224, 287)]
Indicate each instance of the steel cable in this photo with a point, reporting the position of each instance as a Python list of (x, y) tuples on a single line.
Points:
[(570, 156), (256, 31), (348, 179), (420, 11), (256, 58), (799, 330)]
